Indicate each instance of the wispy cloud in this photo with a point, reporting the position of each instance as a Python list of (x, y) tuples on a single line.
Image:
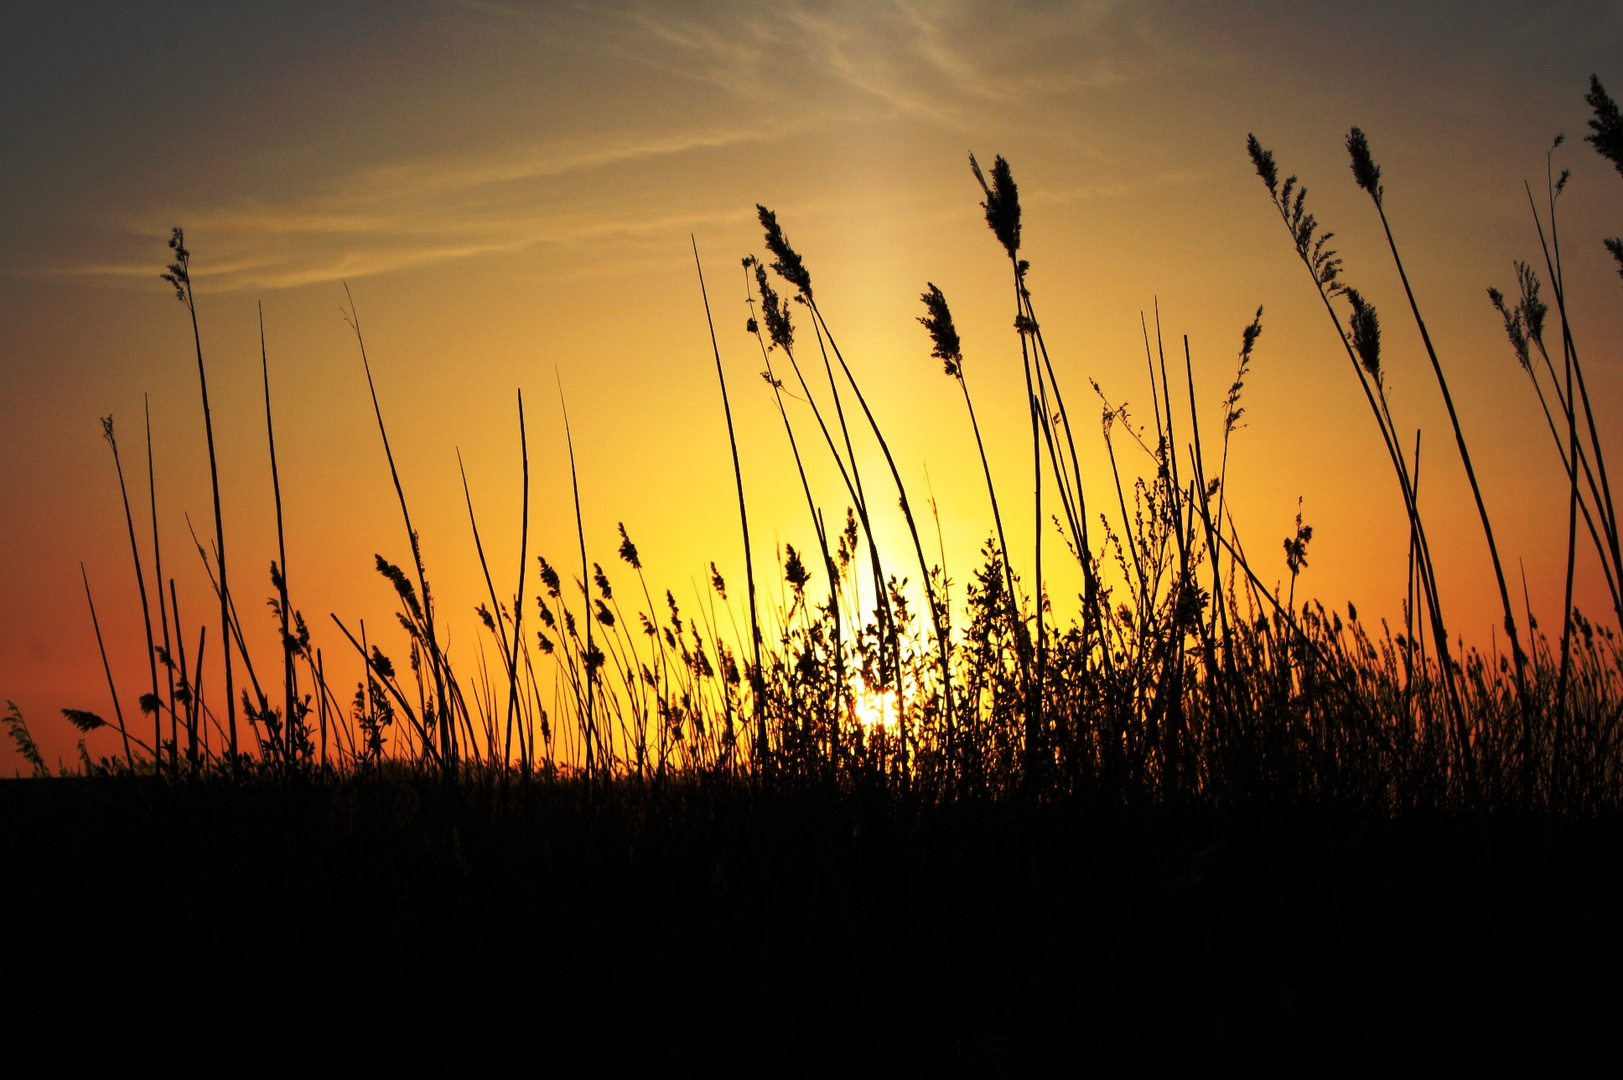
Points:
[(783, 71), (941, 61), (411, 213)]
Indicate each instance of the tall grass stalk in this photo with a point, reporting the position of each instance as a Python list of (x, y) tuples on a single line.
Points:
[(179, 275), (1002, 209), (1368, 176), (838, 706), (591, 658), (787, 262), (444, 723), (757, 686), (118, 710), (150, 703), (157, 577), (518, 601), (291, 726), (781, 331), (949, 350), (1362, 346), (789, 265)]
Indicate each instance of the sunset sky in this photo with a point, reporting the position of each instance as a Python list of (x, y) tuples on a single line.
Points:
[(509, 191)]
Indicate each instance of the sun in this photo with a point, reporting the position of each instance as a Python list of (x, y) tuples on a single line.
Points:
[(875, 710)]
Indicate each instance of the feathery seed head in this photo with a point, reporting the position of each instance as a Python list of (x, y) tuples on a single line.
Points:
[(628, 550), (84, 721), (786, 261), (1296, 547), (1263, 160), (775, 312), (179, 271), (938, 322), (397, 578), (1531, 308), (1365, 334), (1365, 171), (1515, 327), (1232, 409), (549, 577), (794, 570), (1607, 126), (1002, 203), (1614, 245), (1249, 336)]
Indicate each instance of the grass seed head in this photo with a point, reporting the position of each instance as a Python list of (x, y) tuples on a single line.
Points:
[(628, 550), (794, 569), (1002, 203), (1365, 171), (179, 271), (397, 578), (84, 721), (1614, 246), (17, 727), (1296, 546), (938, 322), (1232, 409), (549, 576), (1607, 128), (1532, 309), (1264, 162), (775, 312), (786, 261), (1515, 328), (1365, 330)]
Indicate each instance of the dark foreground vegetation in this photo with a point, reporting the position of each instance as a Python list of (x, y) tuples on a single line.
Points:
[(842, 829), (808, 931)]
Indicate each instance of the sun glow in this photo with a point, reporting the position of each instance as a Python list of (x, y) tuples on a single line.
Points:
[(875, 710)]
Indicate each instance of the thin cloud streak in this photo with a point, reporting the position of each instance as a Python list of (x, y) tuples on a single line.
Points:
[(801, 69), (405, 215)]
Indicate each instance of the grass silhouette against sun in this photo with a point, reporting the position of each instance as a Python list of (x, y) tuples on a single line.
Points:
[(1180, 677)]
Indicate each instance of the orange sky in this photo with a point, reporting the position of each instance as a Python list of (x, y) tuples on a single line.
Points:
[(509, 190)]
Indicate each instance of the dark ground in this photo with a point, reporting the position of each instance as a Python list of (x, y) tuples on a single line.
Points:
[(805, 933)]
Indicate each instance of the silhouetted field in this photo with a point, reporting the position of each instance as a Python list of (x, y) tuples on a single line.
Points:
[(808, 931), (1190, 819)]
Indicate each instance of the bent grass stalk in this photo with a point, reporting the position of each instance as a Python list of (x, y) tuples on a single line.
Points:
[(118, 710)]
